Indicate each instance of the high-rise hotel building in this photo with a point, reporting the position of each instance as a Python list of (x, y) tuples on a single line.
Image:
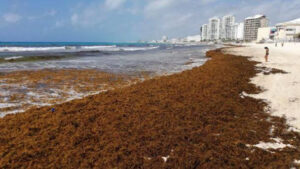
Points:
[(214, 28), (227, 27), (251, 26), (204, 32)]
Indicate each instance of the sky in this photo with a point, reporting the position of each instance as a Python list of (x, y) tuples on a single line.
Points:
[(126, 20)]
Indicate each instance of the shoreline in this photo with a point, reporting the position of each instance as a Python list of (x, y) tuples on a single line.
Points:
[(281, 91), (198, 118), (22, 90)]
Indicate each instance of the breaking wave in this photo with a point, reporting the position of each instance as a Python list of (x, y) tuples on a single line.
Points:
[(111, 48)]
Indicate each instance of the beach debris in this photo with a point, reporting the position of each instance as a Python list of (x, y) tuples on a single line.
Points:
[(293, 129), (165, 158), (147, 158), (244, 94), (294, 99), (272, 129), (276, 144), (52, 110), (268, 70)]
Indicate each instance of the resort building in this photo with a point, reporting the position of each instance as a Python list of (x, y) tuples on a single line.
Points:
[(227, 27), (204, 32), (164, 39), (251, 26), (214, 27), (288, 31), (238, 31), (266, 34), (194, 38)]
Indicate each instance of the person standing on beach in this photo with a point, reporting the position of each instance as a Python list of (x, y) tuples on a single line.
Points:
[(267, 54)]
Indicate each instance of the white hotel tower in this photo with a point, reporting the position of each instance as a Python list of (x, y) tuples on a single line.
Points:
[(214, 27), (204, 32), (227, 28), (222, 29)]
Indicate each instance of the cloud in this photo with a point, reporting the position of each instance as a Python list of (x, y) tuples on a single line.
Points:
[(114, 4), (147, 19), (178, 18), (207, 1), (50, 13), (58, 24), (93, 14), (12, 17), (175, 18), (74, 19), (88, 17), (156, 5), (175, 23)]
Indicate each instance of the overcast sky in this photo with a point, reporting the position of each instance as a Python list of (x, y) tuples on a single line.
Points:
[(126, 20)]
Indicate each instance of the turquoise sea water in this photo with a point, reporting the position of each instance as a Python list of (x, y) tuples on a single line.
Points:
[(105, 56), (125, 58), (43, 44)]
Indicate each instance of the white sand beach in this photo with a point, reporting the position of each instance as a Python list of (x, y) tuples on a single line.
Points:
[(282, 91)]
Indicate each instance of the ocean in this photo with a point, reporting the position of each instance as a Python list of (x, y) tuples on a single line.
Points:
[(46, 73), (105, 56)]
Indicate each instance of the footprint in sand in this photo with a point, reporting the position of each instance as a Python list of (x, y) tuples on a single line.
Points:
[(293, 100)]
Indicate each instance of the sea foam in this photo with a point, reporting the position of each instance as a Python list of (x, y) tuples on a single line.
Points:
[(74, 48)]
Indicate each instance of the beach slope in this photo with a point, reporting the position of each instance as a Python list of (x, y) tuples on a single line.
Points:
[(199, 118), (282, 90)]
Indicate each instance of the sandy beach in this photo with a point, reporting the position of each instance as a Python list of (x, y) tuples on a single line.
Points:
[(153, 84), (281, 91), (200, 118)]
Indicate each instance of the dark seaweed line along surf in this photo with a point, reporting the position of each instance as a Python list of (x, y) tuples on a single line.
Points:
[(194, 119)]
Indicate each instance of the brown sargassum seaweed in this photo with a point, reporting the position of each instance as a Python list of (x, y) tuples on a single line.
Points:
[(53, 86), (195, 119)]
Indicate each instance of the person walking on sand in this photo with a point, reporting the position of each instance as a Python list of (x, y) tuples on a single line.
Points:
[(267, 54)]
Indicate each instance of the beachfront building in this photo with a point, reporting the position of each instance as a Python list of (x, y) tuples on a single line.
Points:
[(192, 39), (288, 31), (204, 32), (214, 27), (227, 27), (164, 39), (266, 34), (238, 31), (251, 26)]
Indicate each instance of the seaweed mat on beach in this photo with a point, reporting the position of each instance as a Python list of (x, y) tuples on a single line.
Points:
[(195, 119)]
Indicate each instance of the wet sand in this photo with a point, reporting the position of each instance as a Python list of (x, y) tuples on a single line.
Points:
[(199, 118)]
